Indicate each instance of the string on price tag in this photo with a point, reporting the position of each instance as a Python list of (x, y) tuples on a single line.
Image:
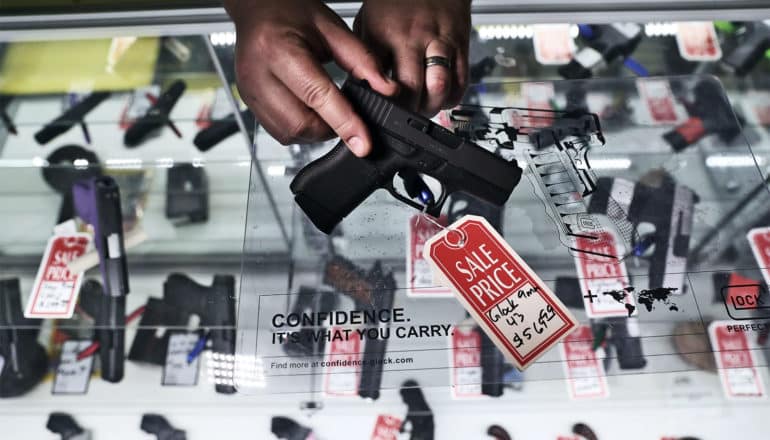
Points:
[(513, 306)]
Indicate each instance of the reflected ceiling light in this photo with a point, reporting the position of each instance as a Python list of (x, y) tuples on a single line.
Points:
[(165, 162), (132, 164), (660, 29), (276, 170), (733, 161), (505, 31), (606, 163), (222, 38)]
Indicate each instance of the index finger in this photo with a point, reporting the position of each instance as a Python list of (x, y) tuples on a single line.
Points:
[(304, 76)]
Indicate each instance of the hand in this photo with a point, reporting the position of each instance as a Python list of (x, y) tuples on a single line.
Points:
[(403, 33), (281, 46)]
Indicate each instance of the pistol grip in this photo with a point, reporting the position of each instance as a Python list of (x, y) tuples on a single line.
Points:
[(111, 334), (331, 187)]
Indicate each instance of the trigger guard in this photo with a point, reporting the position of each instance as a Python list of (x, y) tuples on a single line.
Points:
[(401, 198), (434, 209)]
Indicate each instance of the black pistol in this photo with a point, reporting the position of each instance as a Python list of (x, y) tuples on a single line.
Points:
[(372, 291), (73, 115), (419, 414), (310, 299), (97, 202), (156, 117), (710, 114), (221, 129), (331, 187), (753, 39), (215, 305), (668, 207), (187, 194), (5, 118), (287, 429), (157, 425), (25, 361), (606, 43), (66, 426)]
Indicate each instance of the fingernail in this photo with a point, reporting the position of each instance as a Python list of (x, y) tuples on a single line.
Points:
[(356, 145)]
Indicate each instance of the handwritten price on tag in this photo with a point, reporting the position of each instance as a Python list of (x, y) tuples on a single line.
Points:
[(505, 297)]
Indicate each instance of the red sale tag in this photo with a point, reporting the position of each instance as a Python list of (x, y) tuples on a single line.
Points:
[(759, 238), (657, 97), (697, 41), (55, 291), (342, 366), (585, 372), (553, 44), (465, 362), (734, 353), (603, 280), (386, 427), (513, 306), (419, 277)]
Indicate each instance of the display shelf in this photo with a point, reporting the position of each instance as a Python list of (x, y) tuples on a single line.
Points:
[(256, 233)]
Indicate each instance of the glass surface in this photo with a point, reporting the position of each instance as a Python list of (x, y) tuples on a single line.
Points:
[(683, 232)]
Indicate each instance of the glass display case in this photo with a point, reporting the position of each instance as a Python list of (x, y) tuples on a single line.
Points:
[(212, 304)]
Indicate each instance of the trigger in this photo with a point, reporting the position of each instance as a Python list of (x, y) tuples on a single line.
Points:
[(416, 187)]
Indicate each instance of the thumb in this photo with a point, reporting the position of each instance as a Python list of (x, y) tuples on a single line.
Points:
[(352, 55)]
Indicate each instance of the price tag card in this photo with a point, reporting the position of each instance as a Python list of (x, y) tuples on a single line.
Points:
[(56, 289), (759, 238), (697, 41), (386, 427), (513, 306), (465, 362), (73, 375), (603, 280), (138, 104), (734, 353), (215, 106), (538, 96), (419, 276), (342, 363), (177, 371), (553, 44), (584, 371), (658, 99)]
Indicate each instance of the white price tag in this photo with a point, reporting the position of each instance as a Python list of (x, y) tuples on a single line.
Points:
[(759, 239), (465, 362), (72, 375), (734, 353), (553, 44), (342, 369), (658, 99), (585, 372), (419, 276), (538, 97), (697, 41), (603, 280), (56, 288), (177, 371), (138, 104)]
